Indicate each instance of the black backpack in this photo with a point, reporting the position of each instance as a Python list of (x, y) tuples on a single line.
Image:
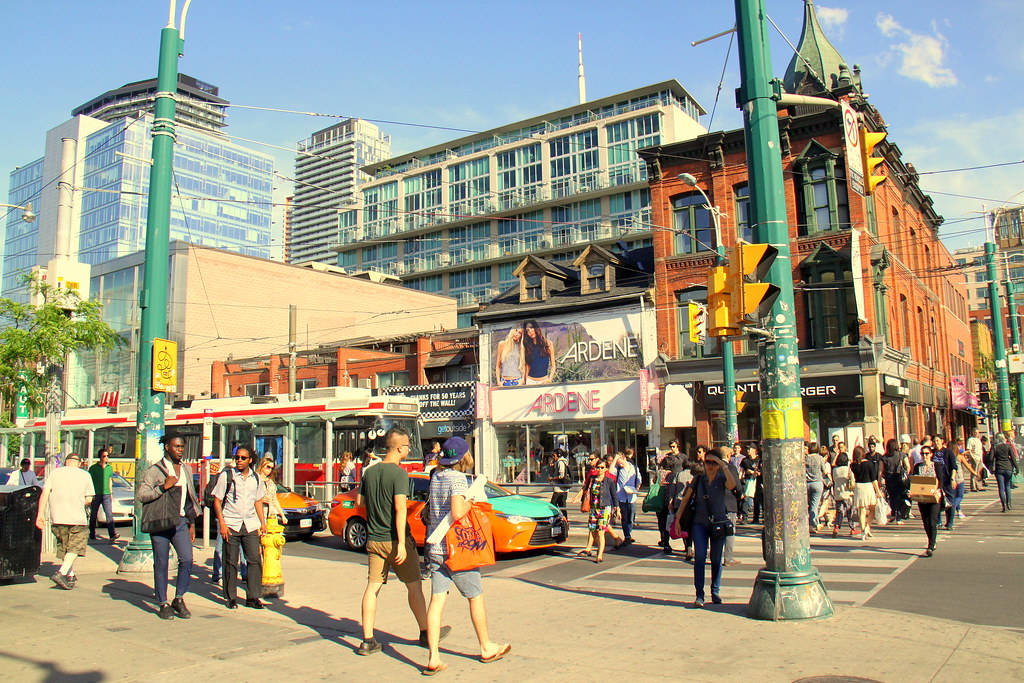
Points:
[(212, 483)]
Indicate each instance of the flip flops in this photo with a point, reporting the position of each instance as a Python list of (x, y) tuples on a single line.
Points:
[(505, 649), (433, 671)]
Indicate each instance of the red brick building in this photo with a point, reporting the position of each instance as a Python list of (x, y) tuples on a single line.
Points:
[(881, 307)]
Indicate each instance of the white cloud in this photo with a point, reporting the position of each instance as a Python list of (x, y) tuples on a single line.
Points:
[(921, 56), (833, 19)]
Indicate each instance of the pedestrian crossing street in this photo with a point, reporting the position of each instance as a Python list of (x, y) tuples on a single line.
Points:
[(852, 569)]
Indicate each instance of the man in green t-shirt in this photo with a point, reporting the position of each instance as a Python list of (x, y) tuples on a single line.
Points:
[(101, 472), (389, 545)]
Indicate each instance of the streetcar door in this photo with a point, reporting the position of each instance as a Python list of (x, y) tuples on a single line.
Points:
[(270, 444)]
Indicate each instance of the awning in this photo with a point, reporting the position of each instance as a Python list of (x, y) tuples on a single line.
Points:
[(441, 360)]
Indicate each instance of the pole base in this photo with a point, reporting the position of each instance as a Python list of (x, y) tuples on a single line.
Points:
[(787, 596), (274, 590), (137, 558)]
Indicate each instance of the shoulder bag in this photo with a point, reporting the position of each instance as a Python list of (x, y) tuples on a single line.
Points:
[(720, 528), (655, 498), (163, 513)]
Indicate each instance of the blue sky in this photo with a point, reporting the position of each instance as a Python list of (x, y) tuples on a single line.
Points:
[(946, 74)]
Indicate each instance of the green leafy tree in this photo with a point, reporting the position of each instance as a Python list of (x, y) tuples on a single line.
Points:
[(35, 339)]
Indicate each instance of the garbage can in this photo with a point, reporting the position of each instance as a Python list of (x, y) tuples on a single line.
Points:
[(20, 541)]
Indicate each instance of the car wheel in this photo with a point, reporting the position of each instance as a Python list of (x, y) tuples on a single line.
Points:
[(304, 537), (355, 534)]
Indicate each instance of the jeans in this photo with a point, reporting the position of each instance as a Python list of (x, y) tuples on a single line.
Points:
[(663, 522), (626, 510), (958, 496), (896, 495), (558, 500), (930, 519), (249, 541), (701, 535), (181, 539), (108, 510), (218, 559), (1003, 478), (844, 509), (950, 507), (814, 491)]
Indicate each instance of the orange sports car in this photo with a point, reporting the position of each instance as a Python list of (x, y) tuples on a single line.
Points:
[(519, 522)]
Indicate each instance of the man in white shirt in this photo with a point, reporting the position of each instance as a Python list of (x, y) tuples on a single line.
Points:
[(67, 492), (238, 503), (975, 451), (24, 476)]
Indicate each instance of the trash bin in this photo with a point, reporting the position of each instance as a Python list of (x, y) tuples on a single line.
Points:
[(20, 541)]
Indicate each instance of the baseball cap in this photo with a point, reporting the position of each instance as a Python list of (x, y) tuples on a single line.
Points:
[(453, 450), (71, 456)]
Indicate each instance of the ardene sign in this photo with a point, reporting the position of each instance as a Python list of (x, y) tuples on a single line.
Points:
[(606, 349), (571, 402)]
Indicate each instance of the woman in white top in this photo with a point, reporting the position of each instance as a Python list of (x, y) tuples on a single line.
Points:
[(508, 362)]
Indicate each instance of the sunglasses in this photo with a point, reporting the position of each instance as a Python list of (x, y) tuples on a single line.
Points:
[(602, 467), (241, 457)]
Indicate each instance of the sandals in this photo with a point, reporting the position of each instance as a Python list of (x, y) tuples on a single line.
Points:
[(502, 651), (584, 553), (433, 671)]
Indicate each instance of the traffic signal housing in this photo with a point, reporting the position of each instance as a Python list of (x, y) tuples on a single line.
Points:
[(721, 289), (868, 142), (753, 298), (740, 403)]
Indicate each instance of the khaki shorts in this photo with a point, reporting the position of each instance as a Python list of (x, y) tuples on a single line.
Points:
[(71, 538), (381, 556)]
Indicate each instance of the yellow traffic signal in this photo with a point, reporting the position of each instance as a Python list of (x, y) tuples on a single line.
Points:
[(720, 302), (697, 313), (740, 403), (868, 142), (752, 298)]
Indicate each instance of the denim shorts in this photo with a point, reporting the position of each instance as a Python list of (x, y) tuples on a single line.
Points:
[(442, 578)]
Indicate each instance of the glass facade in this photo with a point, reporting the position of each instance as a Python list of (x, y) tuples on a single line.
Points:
[(221, 194), (20, 238)]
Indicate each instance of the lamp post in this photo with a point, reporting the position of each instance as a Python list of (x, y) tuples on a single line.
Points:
[(138, 557), (732, 432), (27, 214)]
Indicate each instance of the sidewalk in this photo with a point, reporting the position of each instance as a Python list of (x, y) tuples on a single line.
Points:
[(107, 630)]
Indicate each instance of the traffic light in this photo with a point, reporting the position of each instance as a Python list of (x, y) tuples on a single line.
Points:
[(740, 403), (752, 298), (868, 142), (720, 303), (697, 313)]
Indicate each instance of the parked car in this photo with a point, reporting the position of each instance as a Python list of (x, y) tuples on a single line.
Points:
[(122, 501), (304, 514), (519, 522)]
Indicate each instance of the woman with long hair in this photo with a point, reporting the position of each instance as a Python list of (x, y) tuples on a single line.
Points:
[(895, 473), (929, 511), (814, 474), (266, 472), (959, 485), (538, 354), (347, 470), (508, 362), (842, 492), (866, 491), (603, 500)]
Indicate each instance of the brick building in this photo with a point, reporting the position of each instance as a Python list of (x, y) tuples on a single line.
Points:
[(881, 307)]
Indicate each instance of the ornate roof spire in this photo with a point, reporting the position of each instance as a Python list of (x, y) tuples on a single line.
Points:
[(815, 68)]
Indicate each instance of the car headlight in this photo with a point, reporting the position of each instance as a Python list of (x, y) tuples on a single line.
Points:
[(514, 519)]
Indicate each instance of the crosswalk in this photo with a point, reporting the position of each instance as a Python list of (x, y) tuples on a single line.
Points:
[(853, 570)]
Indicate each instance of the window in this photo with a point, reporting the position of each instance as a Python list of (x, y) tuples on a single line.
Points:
[(692, 224), (821, 192), (309, 383), (743, 228), (392, 379), (831, 307), (905, 314), (687, 349), (259, 389), (533, 287), (596, 277)]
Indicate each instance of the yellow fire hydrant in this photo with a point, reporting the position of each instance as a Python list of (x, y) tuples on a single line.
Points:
[(273, 542)]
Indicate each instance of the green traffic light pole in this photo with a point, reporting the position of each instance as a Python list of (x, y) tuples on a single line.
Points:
[(995, 303), (788, 587), (138, 557), (732, 430), (1011, 303)]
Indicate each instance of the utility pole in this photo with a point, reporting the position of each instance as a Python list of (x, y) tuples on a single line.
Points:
[(1011, 304), (138, 557), (789, 586), (293, 394), (995, 303)]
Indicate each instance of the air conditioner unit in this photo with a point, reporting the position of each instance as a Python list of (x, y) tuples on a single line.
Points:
[(366, 383)]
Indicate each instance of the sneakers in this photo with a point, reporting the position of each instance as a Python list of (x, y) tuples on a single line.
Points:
[(62, 581), (445, 630), (716, 599), (699, 602), (369, 647), (960, 515), (166, 611), (178, 605)]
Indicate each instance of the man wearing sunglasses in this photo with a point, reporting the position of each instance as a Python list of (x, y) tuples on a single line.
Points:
[(242, 521)]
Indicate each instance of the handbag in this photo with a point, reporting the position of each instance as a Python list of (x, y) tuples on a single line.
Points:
[(470, 542), (685, 520), (654, 501), (163, 513), (722, 529), (585, 505)]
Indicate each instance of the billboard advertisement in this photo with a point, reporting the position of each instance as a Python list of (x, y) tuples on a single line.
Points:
[(567, 349)]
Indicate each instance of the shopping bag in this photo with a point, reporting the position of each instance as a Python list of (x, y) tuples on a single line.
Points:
[(470, 542), (655, 499), (881, 513)]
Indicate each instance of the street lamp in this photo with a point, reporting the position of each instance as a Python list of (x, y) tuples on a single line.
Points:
[(732, 431), (27, 215)]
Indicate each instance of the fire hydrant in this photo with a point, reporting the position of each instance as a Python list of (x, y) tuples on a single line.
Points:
[(273, 542)]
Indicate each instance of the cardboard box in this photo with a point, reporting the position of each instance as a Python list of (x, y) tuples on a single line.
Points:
[(924, 489)]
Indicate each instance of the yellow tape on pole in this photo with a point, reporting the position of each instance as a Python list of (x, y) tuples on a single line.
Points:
[(782, 418)]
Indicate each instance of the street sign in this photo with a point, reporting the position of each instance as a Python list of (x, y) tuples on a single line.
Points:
[(165, 365), (851, 137)]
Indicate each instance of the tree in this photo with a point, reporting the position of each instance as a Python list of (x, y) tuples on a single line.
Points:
[(35, 339)]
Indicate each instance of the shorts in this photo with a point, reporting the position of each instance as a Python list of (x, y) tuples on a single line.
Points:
[(442, 578), (71, 538), (381, 556)]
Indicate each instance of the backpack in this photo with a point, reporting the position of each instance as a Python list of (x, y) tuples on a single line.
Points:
[(212, 483)]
